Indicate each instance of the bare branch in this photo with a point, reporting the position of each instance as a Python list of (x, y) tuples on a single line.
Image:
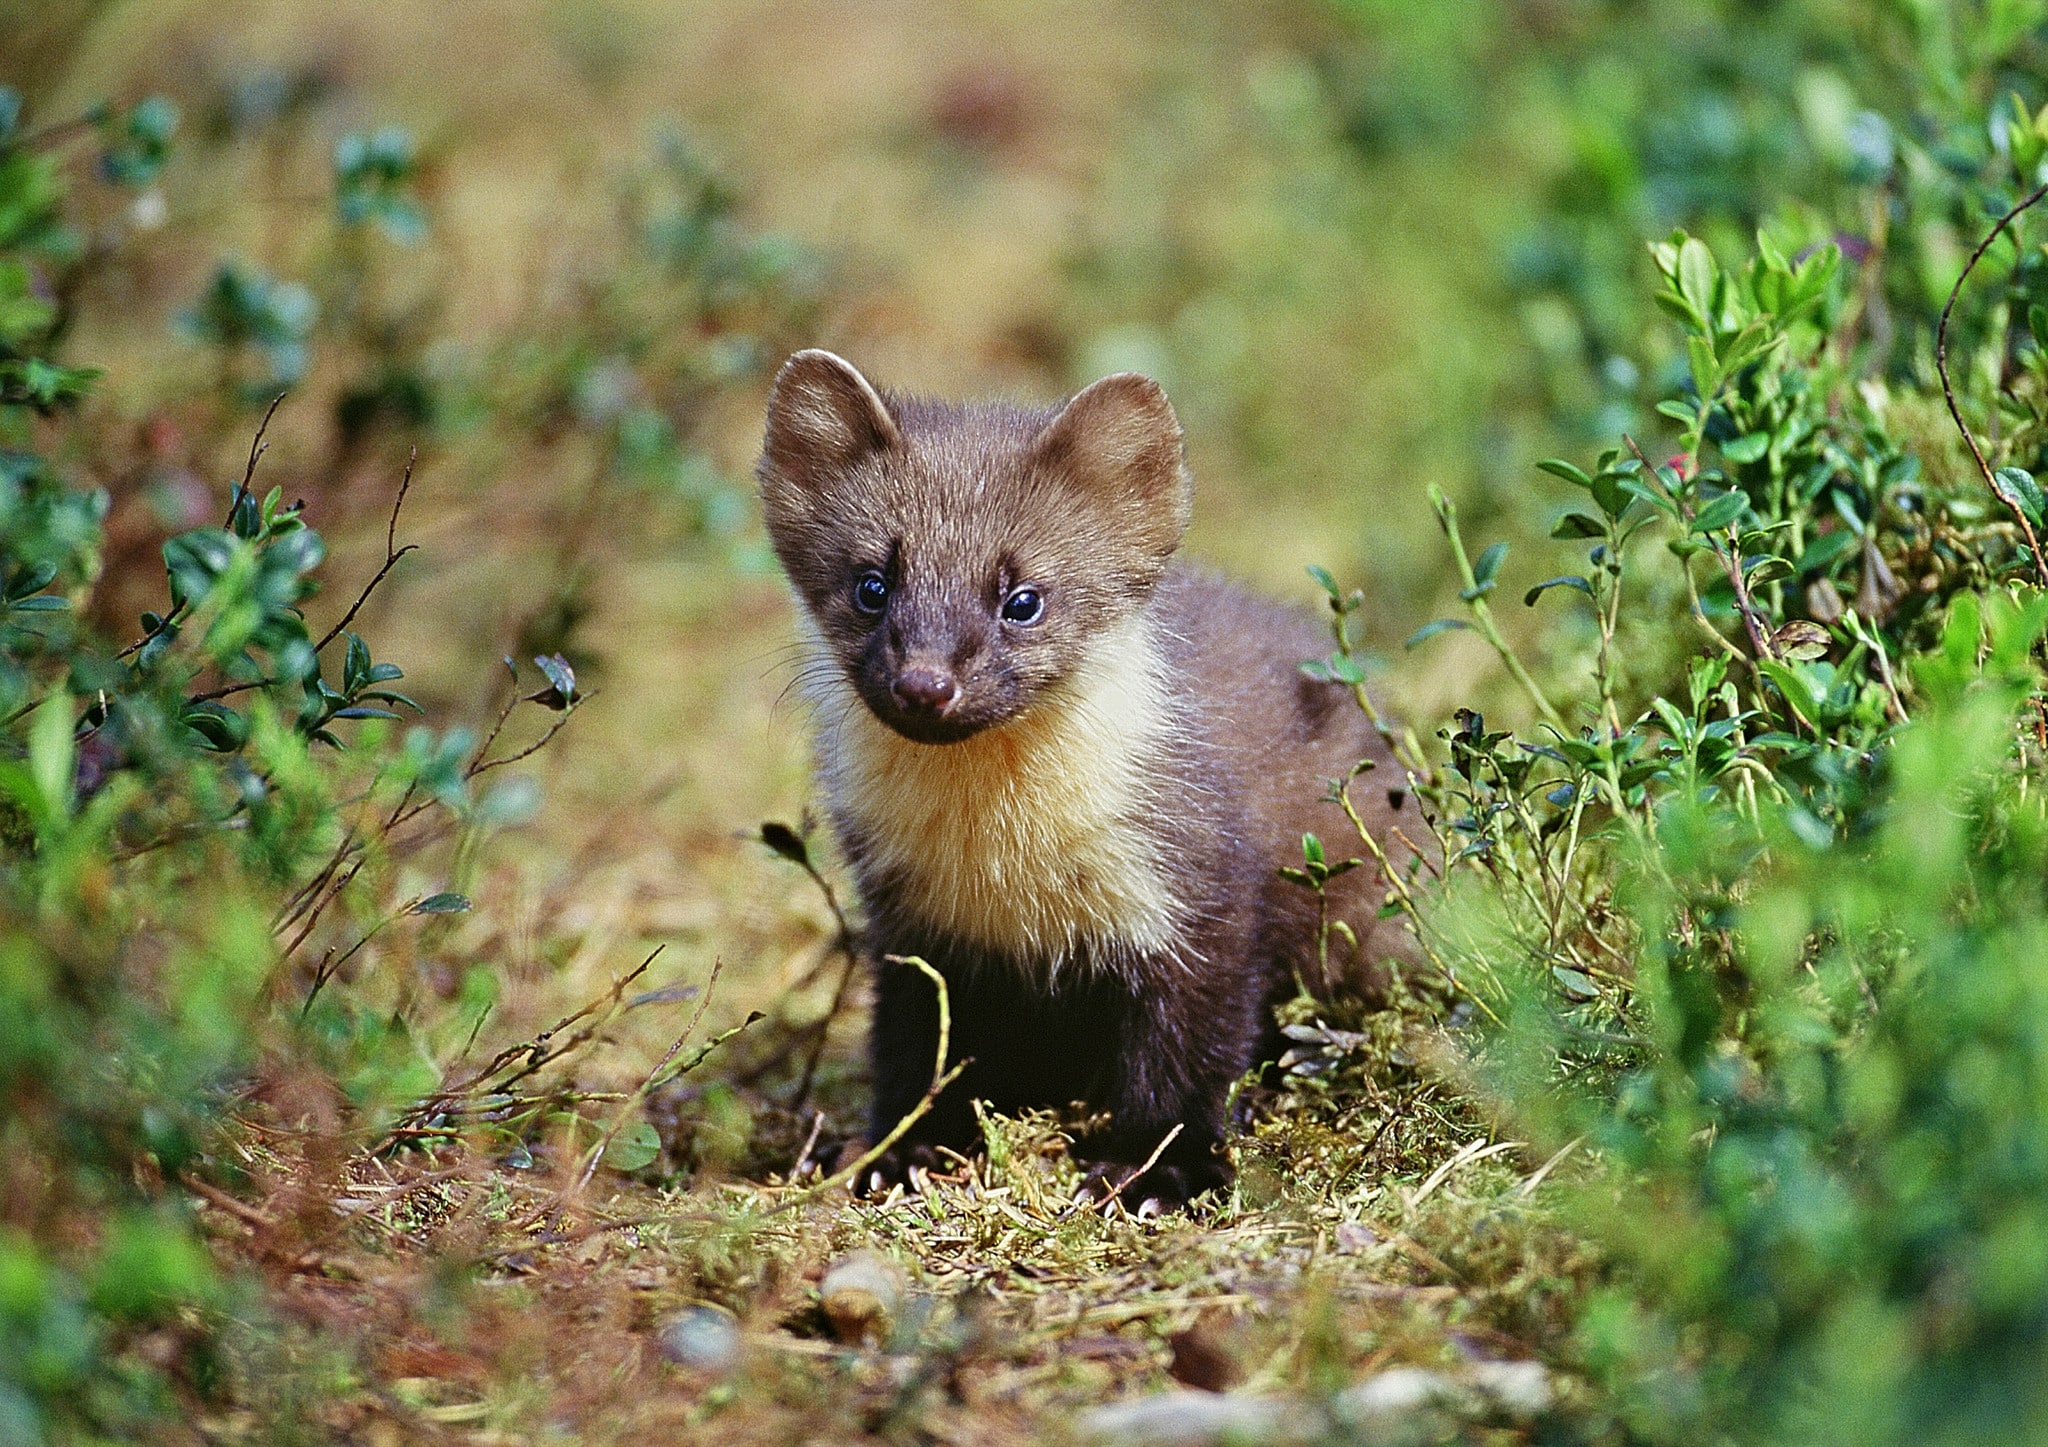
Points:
[(257, 447), (392, 554), (1948, 393)]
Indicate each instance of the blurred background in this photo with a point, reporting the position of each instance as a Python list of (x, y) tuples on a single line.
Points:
[(559, 248)]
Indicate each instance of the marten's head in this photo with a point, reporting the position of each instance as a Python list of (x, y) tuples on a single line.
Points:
[(959, 560)]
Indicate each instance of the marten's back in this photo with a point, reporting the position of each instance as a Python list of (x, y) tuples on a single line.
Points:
[(1271, 740)]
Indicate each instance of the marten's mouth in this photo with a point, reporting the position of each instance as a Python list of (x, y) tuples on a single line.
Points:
[(925, 727)]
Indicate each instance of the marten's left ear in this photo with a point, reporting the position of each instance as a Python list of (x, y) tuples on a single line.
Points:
[(1118, 443)]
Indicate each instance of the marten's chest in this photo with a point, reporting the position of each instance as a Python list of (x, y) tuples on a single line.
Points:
[(1037, 839)]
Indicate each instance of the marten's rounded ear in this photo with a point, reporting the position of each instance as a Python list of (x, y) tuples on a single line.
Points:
[(823, 416), (1118, 442)]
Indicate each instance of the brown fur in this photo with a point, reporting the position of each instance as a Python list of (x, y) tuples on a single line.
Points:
[(1078, 818)]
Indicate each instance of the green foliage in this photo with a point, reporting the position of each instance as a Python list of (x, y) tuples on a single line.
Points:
[(1831, 119), (145, 820), (1828, 1167), (210, 823), (1758, 914), (372, 174), (247, 311)]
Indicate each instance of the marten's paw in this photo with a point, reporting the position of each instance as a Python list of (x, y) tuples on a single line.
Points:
[(1152, 1192), (905, 1164)]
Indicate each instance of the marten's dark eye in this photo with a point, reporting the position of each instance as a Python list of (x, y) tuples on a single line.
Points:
[(871, 592), (1025, 606)]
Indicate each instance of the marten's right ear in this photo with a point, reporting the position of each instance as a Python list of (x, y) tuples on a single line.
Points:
[(1118, 443), (823, 417)]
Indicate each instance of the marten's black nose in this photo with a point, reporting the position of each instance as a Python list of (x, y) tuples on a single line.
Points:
[(927, 689)]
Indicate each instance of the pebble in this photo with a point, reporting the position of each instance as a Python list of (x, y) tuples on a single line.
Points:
[(1518, 1390), (1189, 1418), (862, 1295), (703, 1338), (1400, 1405)]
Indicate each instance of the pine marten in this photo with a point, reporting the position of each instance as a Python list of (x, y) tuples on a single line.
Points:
[(1064, 770)]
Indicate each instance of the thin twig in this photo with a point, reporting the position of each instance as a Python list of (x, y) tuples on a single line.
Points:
[(538, 744), (257, 447), (230, 690), (647, 1083), (330, 967), (1948, 394), (824, 1027), (242, 1211), (843, 943), (941, 1078), (1482, 612), (58, 131), (1150, 1161), (319, 907), (536, 1050), (392, 554), (803, 1157), (1731, 564)]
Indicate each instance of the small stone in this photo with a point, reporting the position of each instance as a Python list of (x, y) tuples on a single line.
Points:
[(1397, 1404), (1520, 1391), (1356, 1236), (1205, 1355), (1187, 1418), (862, 1295), (702, 1338)]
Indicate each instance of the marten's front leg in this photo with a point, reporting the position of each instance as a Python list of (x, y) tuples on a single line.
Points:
[(1176, 1056)]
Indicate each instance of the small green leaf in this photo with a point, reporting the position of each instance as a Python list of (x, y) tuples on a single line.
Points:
[(1429, 630), (561, 690), (1706, 371), (1614, 493), (1720, 512), (634, 1148), (1577, 985), (1770, 569), (355, 668), (52, 754), (1488, 567), (1799, 693), (219, 727), (1696, 275), (1558, 467), (446, 903), (1801, 640), (1825, 549), (1746, 448), (1346, 670), (1572, 580), (31, 580), (2017, 487)]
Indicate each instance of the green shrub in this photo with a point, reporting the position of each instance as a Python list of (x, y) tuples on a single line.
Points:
[(1757, 913), (203, 820)]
